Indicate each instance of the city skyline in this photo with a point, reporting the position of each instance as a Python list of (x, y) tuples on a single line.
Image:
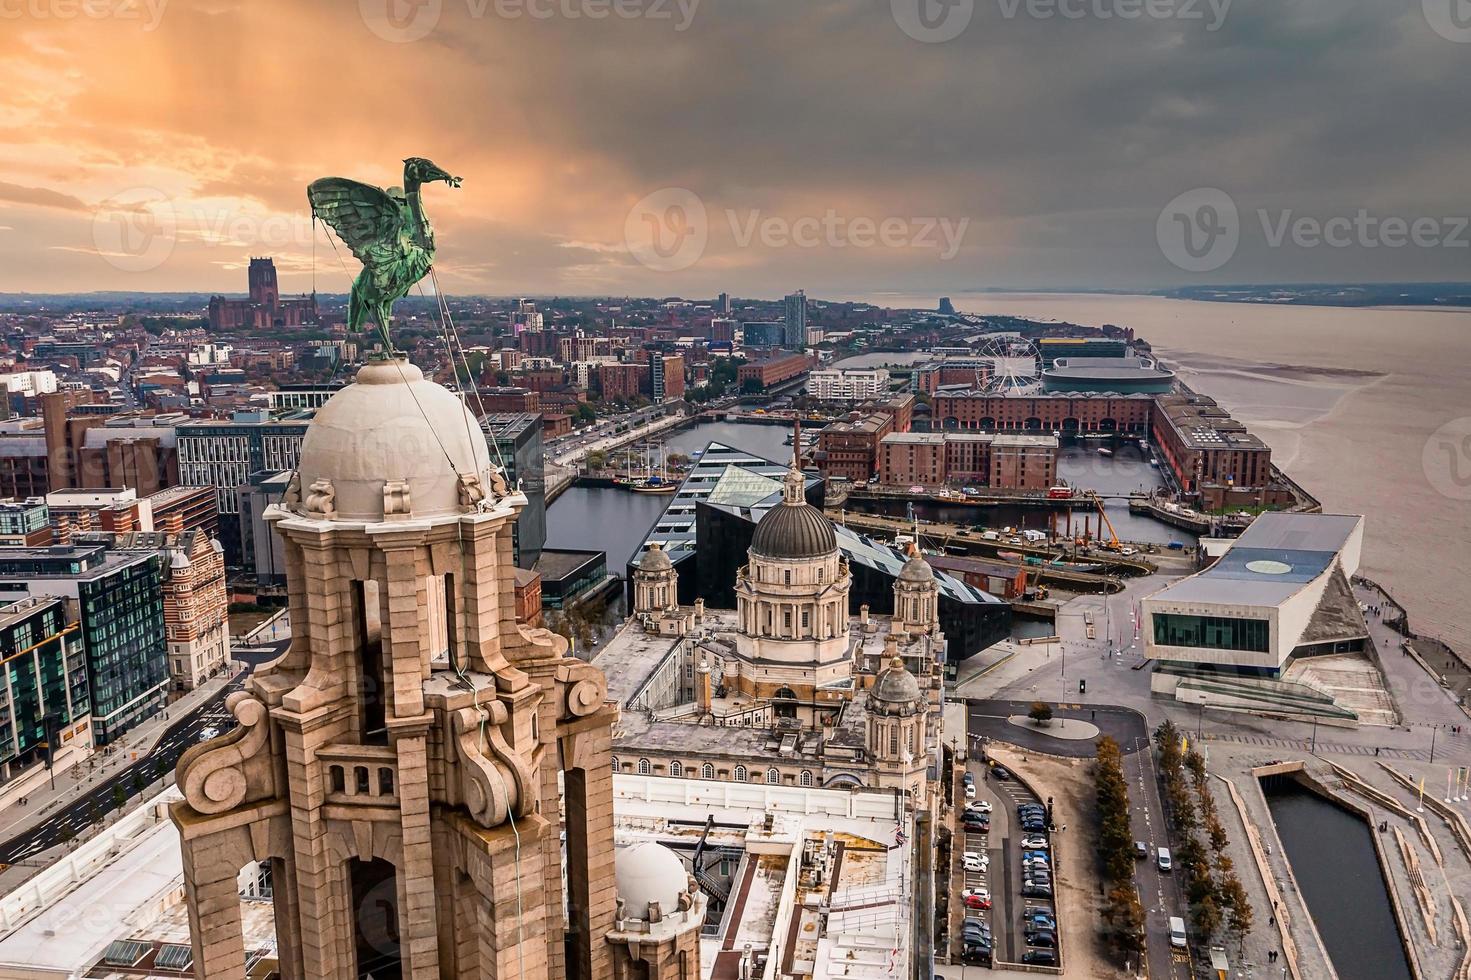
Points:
[(1046, 145)]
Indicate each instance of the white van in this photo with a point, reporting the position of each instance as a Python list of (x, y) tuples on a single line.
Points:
[(1177, 932), (1164, 859)]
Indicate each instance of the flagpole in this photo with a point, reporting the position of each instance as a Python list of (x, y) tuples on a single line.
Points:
[(1448, 794)]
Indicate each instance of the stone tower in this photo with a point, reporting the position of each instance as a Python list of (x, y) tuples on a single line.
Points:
[(898, 713), (655, 582), (261, 278), (916, 597), (398, 766), (656, 933)]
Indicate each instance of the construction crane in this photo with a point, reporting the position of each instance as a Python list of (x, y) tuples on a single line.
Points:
[(1113, 538)]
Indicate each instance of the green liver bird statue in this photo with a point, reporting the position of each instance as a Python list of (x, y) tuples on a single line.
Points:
[(387, 231)]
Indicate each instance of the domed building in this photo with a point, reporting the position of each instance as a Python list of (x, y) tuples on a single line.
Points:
[(411, 741), (791, 645), (656, 930)]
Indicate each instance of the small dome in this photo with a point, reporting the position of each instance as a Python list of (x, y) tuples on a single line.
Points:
[(896, 685), (647, 872), (392, 425), (794, 528), (917, 570), (656, 559)]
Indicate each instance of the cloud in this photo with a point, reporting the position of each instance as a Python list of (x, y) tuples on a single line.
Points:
[(1058, 139)]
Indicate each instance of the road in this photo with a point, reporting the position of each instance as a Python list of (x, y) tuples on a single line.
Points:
[(69, 821), (1160, 894)]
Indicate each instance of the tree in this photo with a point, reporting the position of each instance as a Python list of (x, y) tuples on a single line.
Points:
[(1206, 916), (1125, 917), (119, 796), (1238, 906), (585, 413), (597, 459), (1041, 712)]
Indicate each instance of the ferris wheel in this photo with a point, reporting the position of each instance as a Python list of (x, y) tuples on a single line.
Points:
[(1012, 362)]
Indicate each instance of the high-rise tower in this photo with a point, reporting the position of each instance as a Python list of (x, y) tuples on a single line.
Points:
[(795, 332), (262, 280), (399, 766)]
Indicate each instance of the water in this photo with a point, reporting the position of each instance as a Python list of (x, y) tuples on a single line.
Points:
[(1332, 856), (1350, 400), (617, 521)]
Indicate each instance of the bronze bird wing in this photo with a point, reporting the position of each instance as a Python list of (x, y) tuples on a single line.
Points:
[(369, 222)]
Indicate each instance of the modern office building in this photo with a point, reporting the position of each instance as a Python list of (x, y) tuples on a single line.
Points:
[(195, 600), (223, 455), (25, 522), (516, 440), (291, 397), (45, 704), (1052, 348), (118, 598), (260, 546), (795, 325), (763, 333)]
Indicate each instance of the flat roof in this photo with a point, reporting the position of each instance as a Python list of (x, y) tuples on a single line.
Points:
[(1272, 560)]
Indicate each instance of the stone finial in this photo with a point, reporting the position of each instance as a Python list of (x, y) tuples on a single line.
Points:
[(321, 499), (396, 499), (291, 498), (472, 492)]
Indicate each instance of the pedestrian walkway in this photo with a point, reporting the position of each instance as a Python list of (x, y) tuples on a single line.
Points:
[(134, 745), (1320, 746)]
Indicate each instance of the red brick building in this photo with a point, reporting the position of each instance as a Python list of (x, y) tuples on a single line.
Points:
[(1044, 413), (774, 370), (555, 424), (623, 382), (936, 459), (849, 450), (509, 400)]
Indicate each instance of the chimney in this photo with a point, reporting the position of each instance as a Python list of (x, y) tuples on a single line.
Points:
[(863, 614), (702, 685)]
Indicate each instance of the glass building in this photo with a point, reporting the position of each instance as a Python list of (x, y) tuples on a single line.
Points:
[(515, 438), (118, 601), (45, 681)]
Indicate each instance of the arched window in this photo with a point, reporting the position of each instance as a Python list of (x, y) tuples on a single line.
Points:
[(740, 774), (773, 777), (615, 766), (805, 779), (645, 767), (675, 769), (707, 771)]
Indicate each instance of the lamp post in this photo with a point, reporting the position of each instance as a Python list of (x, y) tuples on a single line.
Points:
[(1433, 730)]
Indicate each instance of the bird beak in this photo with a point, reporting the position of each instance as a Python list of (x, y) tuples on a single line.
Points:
[(452, 181)]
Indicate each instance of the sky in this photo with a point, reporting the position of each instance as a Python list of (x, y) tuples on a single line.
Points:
[(687, 147)]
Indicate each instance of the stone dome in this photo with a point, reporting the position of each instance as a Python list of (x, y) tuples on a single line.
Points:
[(896, 685), (917, 570), (794, 528), (647, 872), (656, 559), (392, 425)]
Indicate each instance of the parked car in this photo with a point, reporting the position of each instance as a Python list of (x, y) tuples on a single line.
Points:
[(978, 899), (1045, 938), (1000, 773), (1036, 890), (1177, 932), (1037, 843), (970, 791), (979, 806), (1040, 957), (1034, 826), (1022, 809), (968, 778), (1163, 859), (1141, 850), (976, 955), (971, 861), (1039, 921)]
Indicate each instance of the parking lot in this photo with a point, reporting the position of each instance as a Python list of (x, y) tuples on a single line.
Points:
[(1020, 923)]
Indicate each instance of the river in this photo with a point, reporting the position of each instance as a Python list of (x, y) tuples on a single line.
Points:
[(1352, 402)]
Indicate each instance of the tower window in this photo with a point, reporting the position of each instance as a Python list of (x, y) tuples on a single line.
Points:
[(773, 777), (675, 769), (805, 779), (707, 771), (740, 774), (787, 577), (645, 767)]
